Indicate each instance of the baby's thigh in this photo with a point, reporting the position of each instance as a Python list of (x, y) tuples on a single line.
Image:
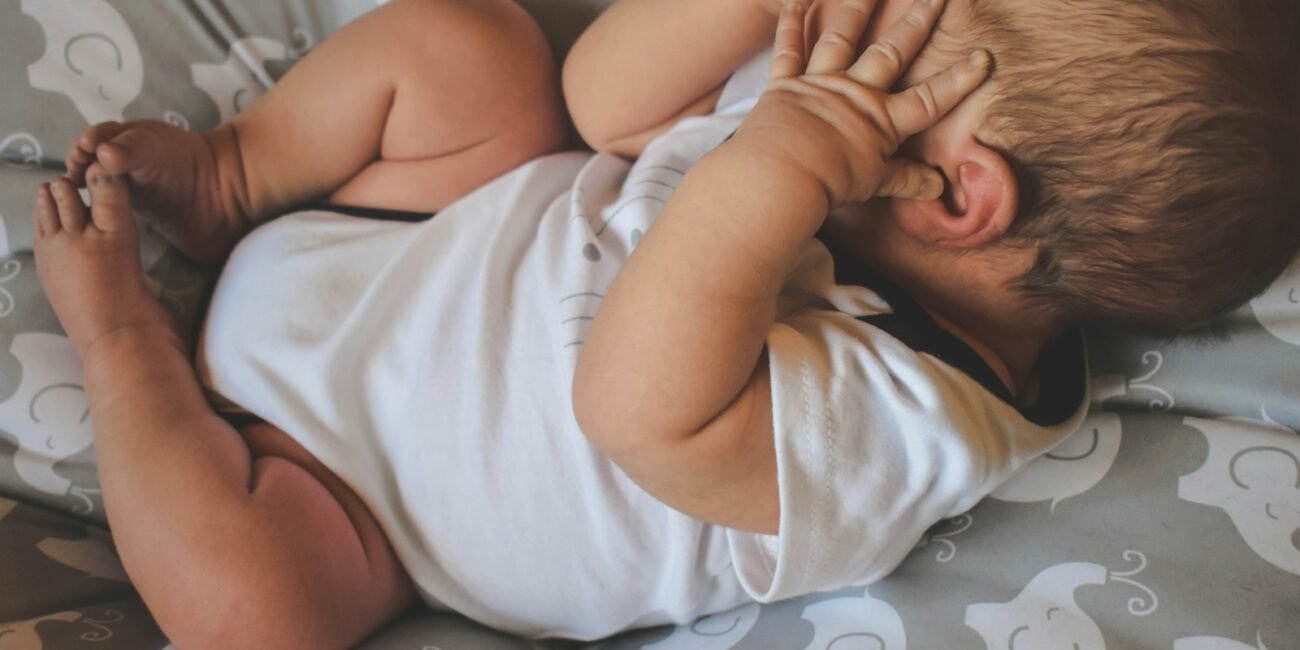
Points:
[(330, 533), (476, 94)]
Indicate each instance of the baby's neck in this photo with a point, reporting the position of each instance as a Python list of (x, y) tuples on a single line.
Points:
[(966, 294)]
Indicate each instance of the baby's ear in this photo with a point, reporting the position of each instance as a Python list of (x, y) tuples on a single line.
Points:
[(979, 202)]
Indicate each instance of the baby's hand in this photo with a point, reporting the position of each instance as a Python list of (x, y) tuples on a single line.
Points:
[(833, 119)]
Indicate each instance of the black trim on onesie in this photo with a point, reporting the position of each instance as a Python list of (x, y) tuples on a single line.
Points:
[(1062, 366), (379, 214)]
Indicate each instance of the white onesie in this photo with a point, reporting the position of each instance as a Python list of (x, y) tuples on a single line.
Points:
[(429, 365)]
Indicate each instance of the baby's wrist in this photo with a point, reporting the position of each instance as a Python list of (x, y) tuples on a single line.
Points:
[(788, 204)]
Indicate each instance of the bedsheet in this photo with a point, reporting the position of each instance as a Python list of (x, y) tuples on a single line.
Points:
[(1171, 519)]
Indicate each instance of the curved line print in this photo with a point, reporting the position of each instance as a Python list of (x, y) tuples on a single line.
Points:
[(87, 505), (1156, 404), (11, 269), (694, 626), (1011, 640), (1263, 414), (964, 521), (67, 49), (626, 204), (176, 119), (1153, 357), (654, 181), (30, 150), (1159, 363), (1290, 295), (1128, 557), (1096, 440), (1232, 463), (301, 33), (1136, 602), (861, 635), (946, 555), (663, 167), (1268, 512), (31, 406), (98, 623)]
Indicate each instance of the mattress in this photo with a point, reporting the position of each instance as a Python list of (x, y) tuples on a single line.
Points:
[(1171, 519)]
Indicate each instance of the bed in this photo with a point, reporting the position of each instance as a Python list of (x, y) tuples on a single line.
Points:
[(1171, 519)]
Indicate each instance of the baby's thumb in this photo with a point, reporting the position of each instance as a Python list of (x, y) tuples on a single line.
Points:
[(906, 179)]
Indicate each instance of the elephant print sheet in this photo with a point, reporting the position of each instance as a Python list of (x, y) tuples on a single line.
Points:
[(1170, 520)]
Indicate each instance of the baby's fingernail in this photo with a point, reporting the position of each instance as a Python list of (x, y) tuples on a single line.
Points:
[(980, 58), (103, 179), (931, 189)]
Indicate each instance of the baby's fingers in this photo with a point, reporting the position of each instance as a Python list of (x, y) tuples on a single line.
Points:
[(838, 44), (906, 179), (787, 51), (921, 106)]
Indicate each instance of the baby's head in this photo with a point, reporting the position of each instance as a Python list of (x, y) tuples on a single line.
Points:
[(1155, 144)]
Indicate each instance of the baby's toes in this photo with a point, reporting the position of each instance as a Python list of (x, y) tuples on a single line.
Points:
[(110, 203), (46, 213), (72, 212), (82, 153), (130, 149)]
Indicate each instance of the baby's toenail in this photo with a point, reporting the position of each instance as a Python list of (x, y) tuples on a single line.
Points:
[(102, 179)]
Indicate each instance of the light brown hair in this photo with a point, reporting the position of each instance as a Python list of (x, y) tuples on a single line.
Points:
[(1157, 147)]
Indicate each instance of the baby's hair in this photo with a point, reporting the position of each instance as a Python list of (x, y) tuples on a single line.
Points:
[(1157, 148)]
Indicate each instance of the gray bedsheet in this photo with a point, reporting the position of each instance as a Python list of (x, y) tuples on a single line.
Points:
[(1170, 520)]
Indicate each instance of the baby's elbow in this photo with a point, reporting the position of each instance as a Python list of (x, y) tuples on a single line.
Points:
[(601, 414)]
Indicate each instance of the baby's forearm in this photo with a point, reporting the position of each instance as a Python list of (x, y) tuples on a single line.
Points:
[(646, 63), (682, 329)]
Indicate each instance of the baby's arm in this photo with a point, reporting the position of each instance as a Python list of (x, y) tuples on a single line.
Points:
[(645, 64), (673, 382)]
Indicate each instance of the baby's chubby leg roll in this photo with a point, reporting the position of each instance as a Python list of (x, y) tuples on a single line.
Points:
[(229, 547), (409, 107)]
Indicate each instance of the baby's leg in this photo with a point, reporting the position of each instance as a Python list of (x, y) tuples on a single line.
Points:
[(409, 107), (233, 541)]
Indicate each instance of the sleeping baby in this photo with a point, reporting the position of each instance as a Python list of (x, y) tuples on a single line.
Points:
[(819, 288)]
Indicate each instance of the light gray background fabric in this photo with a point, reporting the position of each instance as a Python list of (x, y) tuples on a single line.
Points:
[(1171, 520)]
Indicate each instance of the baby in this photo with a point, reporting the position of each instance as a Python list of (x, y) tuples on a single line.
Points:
[(819, 349)]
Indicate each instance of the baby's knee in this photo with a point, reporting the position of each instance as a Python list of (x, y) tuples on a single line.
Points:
[(490, 35), (490, 54)]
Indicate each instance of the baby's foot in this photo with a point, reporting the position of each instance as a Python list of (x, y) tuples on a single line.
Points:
[(89, 262), (190, 186)]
